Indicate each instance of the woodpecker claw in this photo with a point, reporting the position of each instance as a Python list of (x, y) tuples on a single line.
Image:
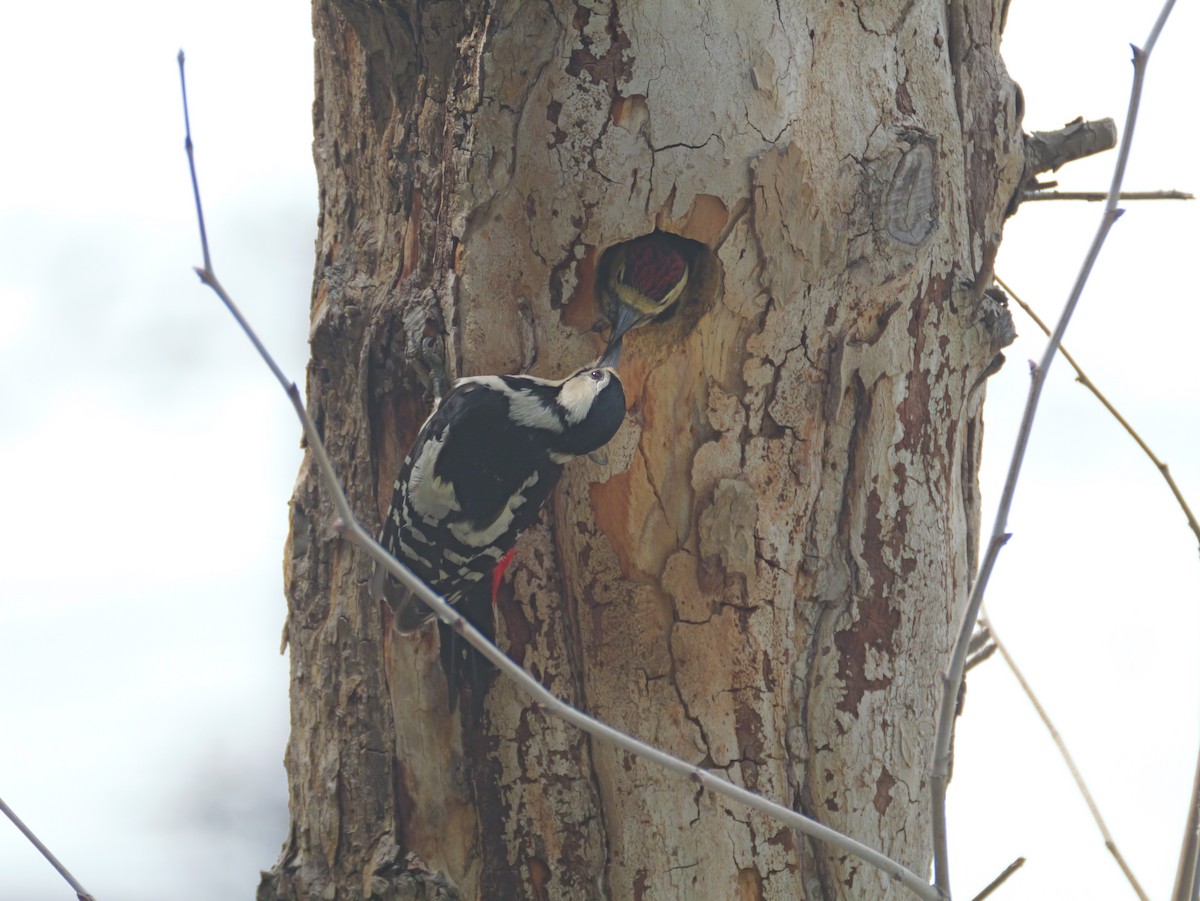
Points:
[(433, 355)]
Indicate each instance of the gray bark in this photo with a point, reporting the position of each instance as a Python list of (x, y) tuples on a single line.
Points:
[(765, 575)]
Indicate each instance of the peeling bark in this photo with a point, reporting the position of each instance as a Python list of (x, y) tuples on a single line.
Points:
[(764, 576)]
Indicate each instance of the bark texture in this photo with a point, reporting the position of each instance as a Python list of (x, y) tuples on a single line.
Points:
[(764, 576)]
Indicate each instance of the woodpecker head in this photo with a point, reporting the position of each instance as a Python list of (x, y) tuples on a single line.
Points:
[(592, 405), (644, 280)]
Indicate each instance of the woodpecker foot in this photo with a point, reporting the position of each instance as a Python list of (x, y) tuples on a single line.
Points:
[(433, 355)]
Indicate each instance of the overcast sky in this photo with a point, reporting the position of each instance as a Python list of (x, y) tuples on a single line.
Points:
[(146, 460)]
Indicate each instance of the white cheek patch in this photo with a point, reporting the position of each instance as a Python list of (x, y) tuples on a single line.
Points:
[(432, 497), (471, 538), (578, 394)]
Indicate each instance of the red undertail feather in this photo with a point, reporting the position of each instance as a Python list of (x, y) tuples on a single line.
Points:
[(498, 573)]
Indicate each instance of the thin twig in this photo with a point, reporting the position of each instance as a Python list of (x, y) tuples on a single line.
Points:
[(952, 680), (351, 529), (1109, 841), (187, 125), (1190, 890), (979, 639), (1096, 196), (979, 657), (1081, 377), (1186, 873), (1194, 888), (206, 273), (80, 892), (999, 880)]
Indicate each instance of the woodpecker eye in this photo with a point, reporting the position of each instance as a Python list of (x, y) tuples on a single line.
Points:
[(596, 375)]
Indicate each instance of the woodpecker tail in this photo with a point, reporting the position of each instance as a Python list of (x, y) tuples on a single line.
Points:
[(465, 668)]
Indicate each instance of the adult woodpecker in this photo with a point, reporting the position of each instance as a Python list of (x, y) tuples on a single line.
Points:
[(642, 281), (483, 464)]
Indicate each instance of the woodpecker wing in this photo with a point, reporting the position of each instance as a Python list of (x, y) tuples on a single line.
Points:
[(475, 479)]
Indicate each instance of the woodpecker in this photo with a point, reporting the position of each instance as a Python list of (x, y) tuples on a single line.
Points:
[(642, 282), (483, 464)]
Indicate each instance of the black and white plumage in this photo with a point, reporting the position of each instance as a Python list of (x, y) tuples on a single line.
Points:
[(483, 464)]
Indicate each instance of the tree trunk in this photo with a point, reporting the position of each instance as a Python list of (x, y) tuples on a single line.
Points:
[(764, 576)]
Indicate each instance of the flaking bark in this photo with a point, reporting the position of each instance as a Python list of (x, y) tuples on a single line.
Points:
[(764, 576)]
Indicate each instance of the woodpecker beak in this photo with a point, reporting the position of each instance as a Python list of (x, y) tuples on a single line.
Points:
[(627, 318), (612, 353)]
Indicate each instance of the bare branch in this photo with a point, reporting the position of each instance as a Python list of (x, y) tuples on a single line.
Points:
[(1188, 871), (979, 639), (351, 529), (187, 143), (1095, 196), (1187, 875), (979, 657), (999, 880), (1046, 151), (952, 681), (1082, 378), (1109, 841), (80, 892)]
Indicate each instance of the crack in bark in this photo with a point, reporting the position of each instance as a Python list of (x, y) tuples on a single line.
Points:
[(903, 16), (707, 760), (687, 146), (863, 25), (653, 487), (851, 479), (828, 508), (770, 142), (805, 802)]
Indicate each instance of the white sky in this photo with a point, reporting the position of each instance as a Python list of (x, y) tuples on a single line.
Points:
[(143, 712)]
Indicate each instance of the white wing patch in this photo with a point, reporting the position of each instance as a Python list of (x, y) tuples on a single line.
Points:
[(432, 497), (488, 381)]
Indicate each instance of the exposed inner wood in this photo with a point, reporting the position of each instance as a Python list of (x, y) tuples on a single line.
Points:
[(764, 576)]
